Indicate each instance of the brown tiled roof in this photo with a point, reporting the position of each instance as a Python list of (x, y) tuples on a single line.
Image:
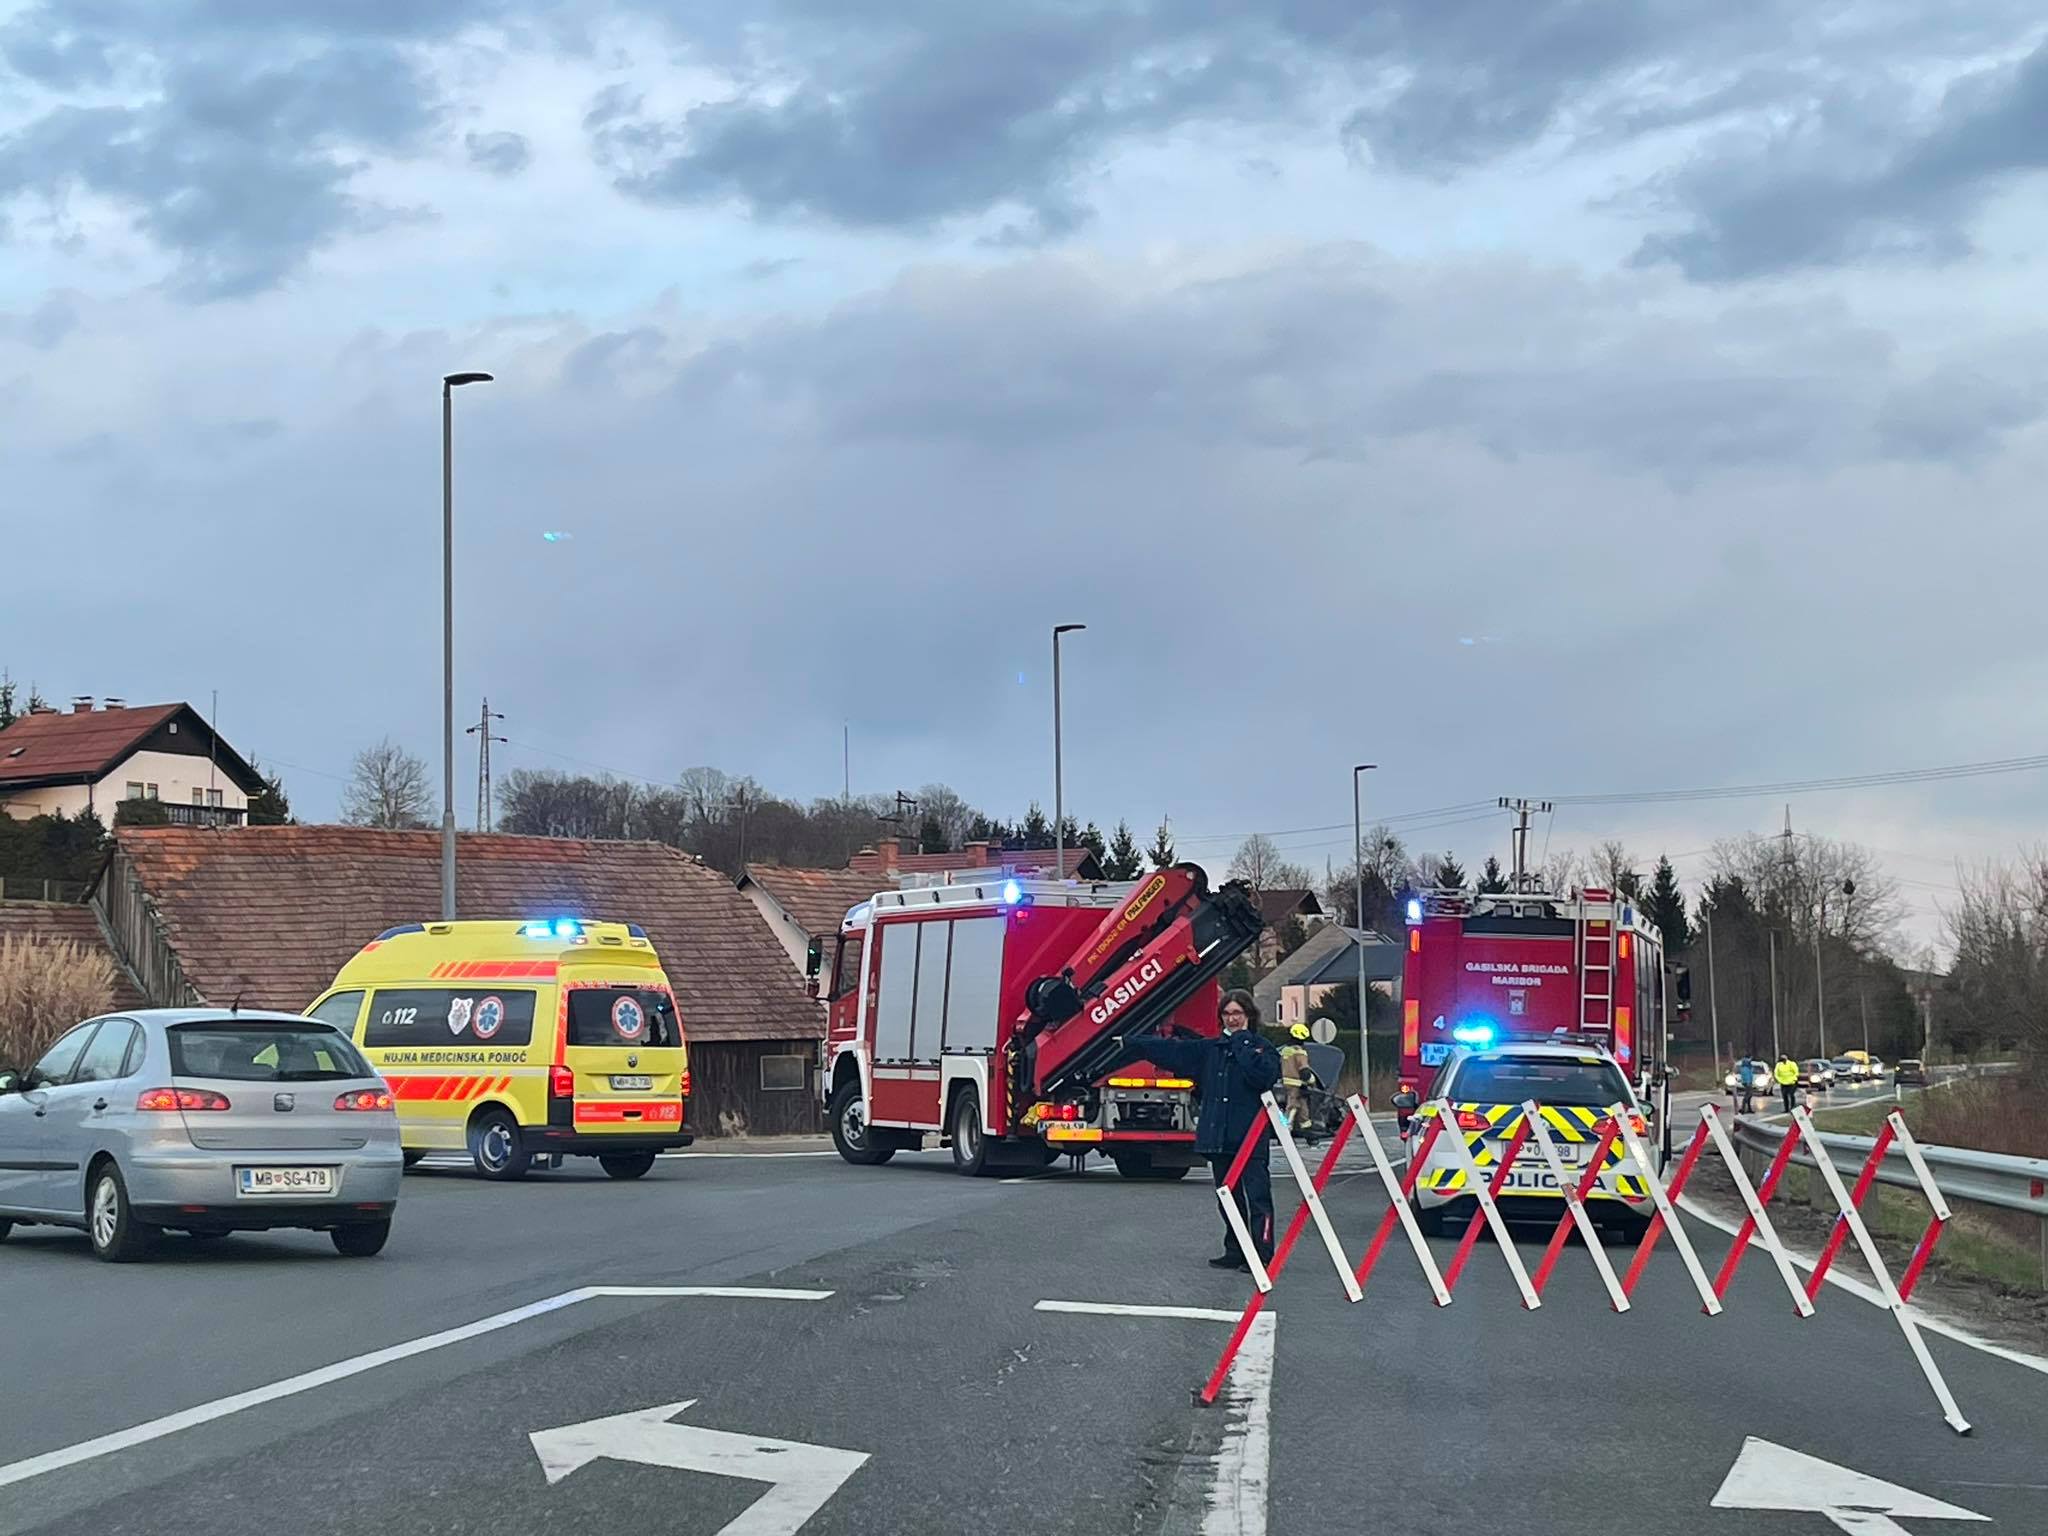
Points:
[(817, 899), (271, 913), (1278, 906), (87, 746), (50, 922)]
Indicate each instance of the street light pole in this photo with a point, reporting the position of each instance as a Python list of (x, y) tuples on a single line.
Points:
[(449, 384), (1358, 873), (1777, 1050), (1059, 806), (1713, 997)]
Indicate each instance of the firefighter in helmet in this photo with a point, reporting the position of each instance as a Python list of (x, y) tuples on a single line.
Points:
[(1295, 1078)]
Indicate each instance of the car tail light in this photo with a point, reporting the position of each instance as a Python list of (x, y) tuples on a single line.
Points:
[(1472, 1120), (561, 1082), (686, 1082), (161, 1100), (1639, 1125), (364, 1099)]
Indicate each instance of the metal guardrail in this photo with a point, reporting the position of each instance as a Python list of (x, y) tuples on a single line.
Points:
[(1983, 1178)]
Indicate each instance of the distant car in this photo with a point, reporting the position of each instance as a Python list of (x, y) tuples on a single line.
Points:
[(1847, 1070), (205, 1121), (1756, 1074), (1817, 1074), (1911, 1070), (1877, 1070)]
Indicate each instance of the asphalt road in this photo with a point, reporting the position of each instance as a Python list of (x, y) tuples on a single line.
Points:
[(954, 1402)]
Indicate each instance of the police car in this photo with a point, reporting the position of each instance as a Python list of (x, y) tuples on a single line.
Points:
[(1574, 1084)]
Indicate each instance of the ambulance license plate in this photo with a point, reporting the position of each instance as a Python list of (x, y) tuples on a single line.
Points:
[(286, 1183), (632, 1084)]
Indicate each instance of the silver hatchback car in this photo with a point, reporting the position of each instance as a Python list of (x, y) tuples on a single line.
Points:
[(206, 1121)]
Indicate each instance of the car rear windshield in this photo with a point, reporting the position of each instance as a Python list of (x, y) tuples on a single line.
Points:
[(623, 1016), (264, 1053), (1592, 1084)]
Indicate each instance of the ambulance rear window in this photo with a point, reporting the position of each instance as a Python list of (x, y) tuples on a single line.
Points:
[(1590, 1084), (622, 1016)]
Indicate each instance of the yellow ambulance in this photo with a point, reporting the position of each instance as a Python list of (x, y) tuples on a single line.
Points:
[(512, 1041)]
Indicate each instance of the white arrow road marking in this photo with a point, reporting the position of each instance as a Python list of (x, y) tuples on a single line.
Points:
[(801, 1477), (341, 1370), (1769, 1476)]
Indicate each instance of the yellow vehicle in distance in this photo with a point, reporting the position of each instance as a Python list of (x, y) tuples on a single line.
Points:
[(512, 1041)]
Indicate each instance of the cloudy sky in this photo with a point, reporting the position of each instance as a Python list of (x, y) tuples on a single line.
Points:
[(1533, 396)]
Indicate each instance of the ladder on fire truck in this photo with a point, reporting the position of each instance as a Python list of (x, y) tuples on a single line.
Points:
[(1596, 962)]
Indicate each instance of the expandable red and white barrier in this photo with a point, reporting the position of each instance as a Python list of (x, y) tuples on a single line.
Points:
[(1618, 1124)]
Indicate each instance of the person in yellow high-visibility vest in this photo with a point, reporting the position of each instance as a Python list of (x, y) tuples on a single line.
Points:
[(1294, 1077), (1786, 1075)]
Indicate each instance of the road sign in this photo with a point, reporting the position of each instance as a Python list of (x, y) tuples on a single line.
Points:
[(1323, 1032), (1768, 1476), (800, 1477)]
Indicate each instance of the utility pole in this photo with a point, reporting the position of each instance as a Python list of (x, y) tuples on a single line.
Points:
[(739, 797), (1777, 1050), (846, 762), (482, 731), (1713, 997), (1059, 809), (1820, 1000), (1358, 872), (1523, 810)]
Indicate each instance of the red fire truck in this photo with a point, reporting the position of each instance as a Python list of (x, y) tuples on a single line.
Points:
[(987, 1011), (1484, 969)]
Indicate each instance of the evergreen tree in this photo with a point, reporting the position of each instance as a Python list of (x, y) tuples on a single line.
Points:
[(6, 701), (931, 836), (1666, 907), (269, 807), (1124, 862), (1036, 831), (1161, 852), (1493, 880), (1450, 874), (1092, 839)]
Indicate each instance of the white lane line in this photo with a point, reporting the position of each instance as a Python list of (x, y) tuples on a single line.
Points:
[(1243, 1467), (1869, 1293), (342, 1370), (1121, 1309)]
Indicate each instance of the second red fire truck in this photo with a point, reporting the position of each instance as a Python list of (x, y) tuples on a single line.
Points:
[(1484, 969), (988, 1012)]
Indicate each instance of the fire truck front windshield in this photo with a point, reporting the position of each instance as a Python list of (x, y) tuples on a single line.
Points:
[(1587, 1082)]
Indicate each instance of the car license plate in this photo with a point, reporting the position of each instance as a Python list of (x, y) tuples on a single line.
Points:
[(1435, 1055), (632, 1084), (265, 1183)]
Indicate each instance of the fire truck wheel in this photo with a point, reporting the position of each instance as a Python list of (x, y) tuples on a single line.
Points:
[(970, 1146), (1140, 1166), (851, 1134)]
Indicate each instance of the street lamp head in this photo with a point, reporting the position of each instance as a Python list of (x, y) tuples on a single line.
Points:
[(457, 380), (1067, 629), (1364, 767)]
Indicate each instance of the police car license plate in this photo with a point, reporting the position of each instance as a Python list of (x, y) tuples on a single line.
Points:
[(632, 1084), (269, 1183)]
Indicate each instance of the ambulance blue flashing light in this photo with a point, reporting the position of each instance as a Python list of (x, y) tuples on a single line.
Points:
[(1012, 893), (559, 928), (1474, 1032), (1414, 910)]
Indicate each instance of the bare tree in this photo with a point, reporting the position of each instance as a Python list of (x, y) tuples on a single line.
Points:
[(1258, 864), (1563, 872), (388, 787), (1616, 868), (1999, 927), (1800, 883)]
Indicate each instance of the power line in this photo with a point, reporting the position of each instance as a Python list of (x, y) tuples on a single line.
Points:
[(1812, 786)]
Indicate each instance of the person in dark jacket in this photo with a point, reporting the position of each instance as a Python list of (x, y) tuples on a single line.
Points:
[(1230, 1073)]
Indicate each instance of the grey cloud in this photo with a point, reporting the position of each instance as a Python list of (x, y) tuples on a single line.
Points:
[(239, 171), (45, 326), (1856, 179), (1962, 412), (502, 154)]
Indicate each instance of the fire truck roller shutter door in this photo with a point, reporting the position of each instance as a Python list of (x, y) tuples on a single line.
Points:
[(975, 985), (896, 952), (928, 1021)]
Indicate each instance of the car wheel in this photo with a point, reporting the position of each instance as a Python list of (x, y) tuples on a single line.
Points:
[(362, 1239), (627, 1165), (494, 1146), (1430, 1218), (412, 1159), (970, 1146), (856, 1140), (116, 1235)]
